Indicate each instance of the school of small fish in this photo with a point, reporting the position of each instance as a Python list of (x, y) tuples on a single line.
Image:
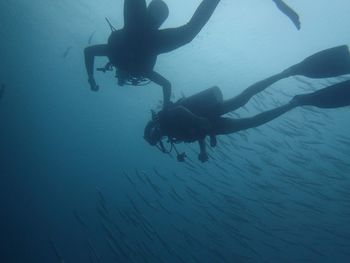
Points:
[(261, 199)]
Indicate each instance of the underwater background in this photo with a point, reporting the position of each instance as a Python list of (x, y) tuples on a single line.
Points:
[(78, 183)]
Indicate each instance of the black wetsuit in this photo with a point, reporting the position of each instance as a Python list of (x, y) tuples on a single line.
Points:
[(133, 50)]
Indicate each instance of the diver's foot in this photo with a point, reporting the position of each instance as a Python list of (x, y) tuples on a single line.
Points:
[(203, 157)]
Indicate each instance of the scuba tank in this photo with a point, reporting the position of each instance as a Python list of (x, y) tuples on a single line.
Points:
[(328, 63), (121, 59), (203, 104)]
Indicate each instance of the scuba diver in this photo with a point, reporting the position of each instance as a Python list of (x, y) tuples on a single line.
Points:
[(192, 119), (133, 50), (288, 11)]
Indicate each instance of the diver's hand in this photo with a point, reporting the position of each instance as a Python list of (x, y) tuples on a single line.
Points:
[(181, 157), (93, 85), (203, 157)]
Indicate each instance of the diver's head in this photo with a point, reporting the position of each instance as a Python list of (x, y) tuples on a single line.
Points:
[(152, 133), (158, 12)]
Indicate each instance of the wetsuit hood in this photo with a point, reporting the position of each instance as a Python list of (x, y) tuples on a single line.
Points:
[(152, 133), (158, 12)]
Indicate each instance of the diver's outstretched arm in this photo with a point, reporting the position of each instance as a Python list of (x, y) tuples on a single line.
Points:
[(247, 94), (135, 15), (229, 125), (288, 11), (90, 53), (164, 83), (172, 38)]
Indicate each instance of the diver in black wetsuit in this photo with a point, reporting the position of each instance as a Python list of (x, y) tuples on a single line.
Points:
[(133, 50), (194, 118)]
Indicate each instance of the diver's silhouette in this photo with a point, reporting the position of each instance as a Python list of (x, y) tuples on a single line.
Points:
[(192, 119), (133, 50)]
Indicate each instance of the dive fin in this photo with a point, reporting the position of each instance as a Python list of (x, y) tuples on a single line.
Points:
[(335, 96), (288, 11), (327, 63)]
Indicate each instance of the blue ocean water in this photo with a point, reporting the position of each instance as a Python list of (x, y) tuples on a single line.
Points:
[(78, 183)]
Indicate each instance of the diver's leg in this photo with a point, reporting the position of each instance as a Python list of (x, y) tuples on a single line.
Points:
[(288, 11), (173, 38), (331, 62), (229, 125), (247, 94), (135, 13), (334, 96)]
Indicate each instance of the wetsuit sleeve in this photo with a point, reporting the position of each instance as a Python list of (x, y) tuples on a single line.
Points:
[(90, 53), (135, 15), (164, 83), (167, 40)]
